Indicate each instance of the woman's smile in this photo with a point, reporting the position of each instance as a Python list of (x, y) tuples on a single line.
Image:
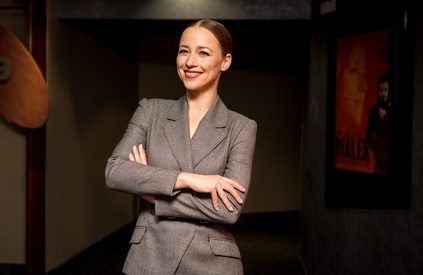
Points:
[(191, 74)]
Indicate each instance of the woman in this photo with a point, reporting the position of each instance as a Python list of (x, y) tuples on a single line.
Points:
[(351, 85), (192, 160)]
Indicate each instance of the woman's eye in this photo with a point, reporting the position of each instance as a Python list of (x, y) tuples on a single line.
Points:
[(204, 53), (183, 51)]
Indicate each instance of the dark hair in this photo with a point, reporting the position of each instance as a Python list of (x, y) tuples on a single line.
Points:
[(219, 31), (382, 78)]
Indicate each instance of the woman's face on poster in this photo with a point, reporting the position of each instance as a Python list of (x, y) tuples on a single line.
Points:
[(353, 86)]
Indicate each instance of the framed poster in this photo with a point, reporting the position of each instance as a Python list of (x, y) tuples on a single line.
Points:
[(368, 161)]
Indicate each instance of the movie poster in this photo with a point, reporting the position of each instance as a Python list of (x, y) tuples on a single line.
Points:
[(360, 61)]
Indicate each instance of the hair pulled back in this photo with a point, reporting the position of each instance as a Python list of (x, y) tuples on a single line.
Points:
[(219, 31)]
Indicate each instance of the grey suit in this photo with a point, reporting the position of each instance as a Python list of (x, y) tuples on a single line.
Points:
[(185, 235)]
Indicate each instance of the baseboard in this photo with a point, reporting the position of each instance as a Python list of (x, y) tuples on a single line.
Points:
[(12, 269)]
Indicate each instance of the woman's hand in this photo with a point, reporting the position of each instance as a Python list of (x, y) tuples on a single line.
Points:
[(139, 155), (214, 184)]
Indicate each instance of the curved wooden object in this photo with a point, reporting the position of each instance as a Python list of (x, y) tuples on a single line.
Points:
[(24, 97)]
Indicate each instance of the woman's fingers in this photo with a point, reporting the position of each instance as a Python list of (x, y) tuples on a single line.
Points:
[(225, 199), (149, 198), (143, 155), (232, 187), (138, 155), (227, 185), (235, 185), (215, 201), (236, 196)]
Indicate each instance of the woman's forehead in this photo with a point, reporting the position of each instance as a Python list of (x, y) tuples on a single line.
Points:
[(198, 36)]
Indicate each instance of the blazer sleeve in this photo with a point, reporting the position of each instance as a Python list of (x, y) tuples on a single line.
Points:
[(131, 177), (193, 205)]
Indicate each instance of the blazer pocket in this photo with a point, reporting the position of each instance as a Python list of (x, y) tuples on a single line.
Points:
[(137, 235), (224, 247)]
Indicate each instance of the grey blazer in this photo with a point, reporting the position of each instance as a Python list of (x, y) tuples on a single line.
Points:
[(183, 234)]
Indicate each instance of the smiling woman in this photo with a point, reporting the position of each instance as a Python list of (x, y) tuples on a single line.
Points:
[(191, 159), (201, 60)]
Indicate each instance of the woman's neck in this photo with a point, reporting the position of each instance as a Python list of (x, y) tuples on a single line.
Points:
[(200, 102), (198, 105)]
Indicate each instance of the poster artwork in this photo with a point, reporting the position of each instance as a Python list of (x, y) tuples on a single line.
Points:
[(361, 63)]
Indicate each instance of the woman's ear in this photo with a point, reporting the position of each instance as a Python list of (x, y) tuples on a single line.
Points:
[(226, 62)]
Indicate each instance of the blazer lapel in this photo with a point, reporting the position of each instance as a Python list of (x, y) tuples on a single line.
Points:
[(210, 132), (177, 134)]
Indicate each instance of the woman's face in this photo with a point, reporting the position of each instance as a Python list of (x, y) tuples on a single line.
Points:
[(353, 84), (200, 62)]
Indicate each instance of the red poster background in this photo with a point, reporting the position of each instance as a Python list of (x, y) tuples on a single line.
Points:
[(360, 76)]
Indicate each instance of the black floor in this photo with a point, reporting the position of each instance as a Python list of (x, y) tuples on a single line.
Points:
[(270, 248)]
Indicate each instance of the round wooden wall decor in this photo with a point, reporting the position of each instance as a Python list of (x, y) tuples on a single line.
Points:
[(24, 97)]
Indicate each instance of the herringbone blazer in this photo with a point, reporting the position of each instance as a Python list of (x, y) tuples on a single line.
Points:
[(183, 234)]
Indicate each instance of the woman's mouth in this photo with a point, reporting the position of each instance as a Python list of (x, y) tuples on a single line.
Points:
[(191, 74)]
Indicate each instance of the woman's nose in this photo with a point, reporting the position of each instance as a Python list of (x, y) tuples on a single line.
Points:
[(192, 61)]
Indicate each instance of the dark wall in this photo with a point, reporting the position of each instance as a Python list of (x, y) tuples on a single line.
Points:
[(269, 35), (259, 45), (358, 240)]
